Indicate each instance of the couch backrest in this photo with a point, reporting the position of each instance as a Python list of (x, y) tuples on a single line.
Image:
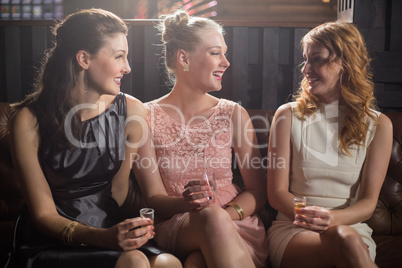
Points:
[(387, 217)]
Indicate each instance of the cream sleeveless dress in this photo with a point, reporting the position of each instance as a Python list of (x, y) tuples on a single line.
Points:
[(326, 177)]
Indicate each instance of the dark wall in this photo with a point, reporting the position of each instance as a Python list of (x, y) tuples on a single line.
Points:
[(262, 73), (381, 25), (264, 57)]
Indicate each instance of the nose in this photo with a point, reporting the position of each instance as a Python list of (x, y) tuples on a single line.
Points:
[(225, 63), (126, 67), (306, 67)]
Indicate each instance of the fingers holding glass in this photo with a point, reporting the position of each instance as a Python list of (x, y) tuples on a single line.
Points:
[(299, 202), (198, 194)]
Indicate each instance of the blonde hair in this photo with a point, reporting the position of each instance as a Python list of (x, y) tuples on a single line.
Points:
[(179, 30), (345, 43)]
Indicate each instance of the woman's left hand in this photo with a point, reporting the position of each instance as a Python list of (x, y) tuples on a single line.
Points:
[(317, 219)]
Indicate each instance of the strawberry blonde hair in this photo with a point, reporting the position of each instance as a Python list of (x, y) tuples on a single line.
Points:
[(346, 45)]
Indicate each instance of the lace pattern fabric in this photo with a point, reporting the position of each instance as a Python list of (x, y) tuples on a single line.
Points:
[(186, 151)]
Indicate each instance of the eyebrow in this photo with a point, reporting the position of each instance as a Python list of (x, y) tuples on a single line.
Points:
[(214, 47), (118, 51)]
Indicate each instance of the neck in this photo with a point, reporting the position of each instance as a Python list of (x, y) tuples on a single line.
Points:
[(332, 96), (188, 101)]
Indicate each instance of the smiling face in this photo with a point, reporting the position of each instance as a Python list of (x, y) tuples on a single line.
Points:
[(208, 61), (107, 67), (322, 75)]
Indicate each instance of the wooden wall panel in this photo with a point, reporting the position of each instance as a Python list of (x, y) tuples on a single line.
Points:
[(270, 68), (298, 56), (265, 59), (13, 63), (381, 25), (151, 66), (3, 66), (396, 25), (239, 65)]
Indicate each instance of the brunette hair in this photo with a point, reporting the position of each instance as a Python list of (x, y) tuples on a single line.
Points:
[(51, 100), (345, 44), (179, 30)]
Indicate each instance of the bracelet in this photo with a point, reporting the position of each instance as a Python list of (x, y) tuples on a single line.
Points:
[(67, 233), (237, 208)]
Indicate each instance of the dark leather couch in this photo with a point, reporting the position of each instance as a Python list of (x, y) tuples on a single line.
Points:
[(386, 220)]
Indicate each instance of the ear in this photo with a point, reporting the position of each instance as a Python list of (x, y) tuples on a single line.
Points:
[(182, 58), (83, 59)]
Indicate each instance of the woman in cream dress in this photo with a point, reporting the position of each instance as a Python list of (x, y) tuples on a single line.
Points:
[(337, 149)]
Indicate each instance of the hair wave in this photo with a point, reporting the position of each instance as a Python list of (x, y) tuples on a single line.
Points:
[(345, 43)]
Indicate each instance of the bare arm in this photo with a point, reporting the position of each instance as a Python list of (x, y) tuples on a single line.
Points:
[(249, 159), (278, 176), (147, 174), (136, 127)]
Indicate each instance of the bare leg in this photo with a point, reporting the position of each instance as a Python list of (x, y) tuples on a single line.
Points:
[(211, 231), (165, 260), (339, 246), (195, 260), (132, 258)]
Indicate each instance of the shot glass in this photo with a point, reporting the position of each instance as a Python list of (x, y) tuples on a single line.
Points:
[(209, 177), (299, 202), (147, 213)]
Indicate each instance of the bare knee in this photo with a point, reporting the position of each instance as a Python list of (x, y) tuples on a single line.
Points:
[(195, 260), (347, 237), (132, 258), (214, 219), (351, 245), (165, 260)]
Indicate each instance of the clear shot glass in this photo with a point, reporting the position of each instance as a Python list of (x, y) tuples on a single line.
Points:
[(209, 177), (147, 213), (299, 202)]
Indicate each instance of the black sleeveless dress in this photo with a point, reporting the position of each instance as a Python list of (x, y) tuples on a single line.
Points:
[(81, 181)]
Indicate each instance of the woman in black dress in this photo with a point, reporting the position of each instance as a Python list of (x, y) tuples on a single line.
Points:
[(73, 141)]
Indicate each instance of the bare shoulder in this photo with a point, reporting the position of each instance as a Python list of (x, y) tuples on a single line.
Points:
[(384, 125), (135, 107), (240, 111), (284, 110), (24, 119)]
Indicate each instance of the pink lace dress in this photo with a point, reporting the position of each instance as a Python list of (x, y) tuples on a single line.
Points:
[(184, 151)]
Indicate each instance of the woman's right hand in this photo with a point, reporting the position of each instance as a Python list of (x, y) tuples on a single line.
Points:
[(130, 234), (314, 218), (198, 194)]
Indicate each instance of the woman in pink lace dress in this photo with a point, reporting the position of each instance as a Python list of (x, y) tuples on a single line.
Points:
[(193, 132)]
